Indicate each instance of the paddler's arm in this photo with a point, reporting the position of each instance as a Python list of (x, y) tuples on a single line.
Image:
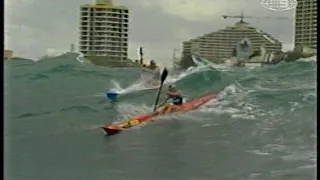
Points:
[(165, 101), (175, 93), (171, 93)]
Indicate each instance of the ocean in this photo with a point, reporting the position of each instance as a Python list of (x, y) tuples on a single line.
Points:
[(262, 126)]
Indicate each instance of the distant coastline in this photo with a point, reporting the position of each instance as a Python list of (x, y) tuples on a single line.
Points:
[(17, 58), (103, 61)]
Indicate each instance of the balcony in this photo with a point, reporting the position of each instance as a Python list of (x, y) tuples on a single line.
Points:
[(84, 24), (99, 24), (99, 30), (125, 17), (84, 33), (99, 19), (97, 14), (83, 29), (84, 19), (84, 9), (84, 14)]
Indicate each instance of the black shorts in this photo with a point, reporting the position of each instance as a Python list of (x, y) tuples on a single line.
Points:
[(177, 101)]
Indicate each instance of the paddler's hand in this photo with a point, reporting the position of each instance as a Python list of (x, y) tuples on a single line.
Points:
[(159, 106)]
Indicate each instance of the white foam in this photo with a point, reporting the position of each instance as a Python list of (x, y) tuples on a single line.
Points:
[(258, 152), (141, 84), (309, 59), (81, 58)]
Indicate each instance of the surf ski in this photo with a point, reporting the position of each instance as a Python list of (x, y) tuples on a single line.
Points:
[(144, 118)]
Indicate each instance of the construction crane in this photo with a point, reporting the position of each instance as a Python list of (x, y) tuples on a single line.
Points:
[(253, 17)]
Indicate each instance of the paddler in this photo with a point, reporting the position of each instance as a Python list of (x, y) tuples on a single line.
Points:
[(176, 100), (155, 80), (153, 66)]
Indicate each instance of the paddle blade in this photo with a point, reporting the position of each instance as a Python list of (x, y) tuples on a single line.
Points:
[(163, 78), (111, 95), (164, 75)]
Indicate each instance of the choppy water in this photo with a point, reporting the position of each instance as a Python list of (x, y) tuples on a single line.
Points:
[(262, 126)]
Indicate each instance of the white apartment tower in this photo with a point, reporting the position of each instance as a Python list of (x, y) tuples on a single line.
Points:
[(306, 24), (221, 43), (104, 30)]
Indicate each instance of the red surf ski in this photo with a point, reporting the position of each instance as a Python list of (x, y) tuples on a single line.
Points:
[(187, 106)]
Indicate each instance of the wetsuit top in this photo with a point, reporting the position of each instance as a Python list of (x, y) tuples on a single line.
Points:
[(176, 99)]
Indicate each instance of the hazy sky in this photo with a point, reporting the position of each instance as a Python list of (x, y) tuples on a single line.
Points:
[(36, 27)]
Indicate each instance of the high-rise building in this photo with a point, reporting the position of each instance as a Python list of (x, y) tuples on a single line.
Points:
[(306, 24), (104, 30), (222, 43), (7, 54)]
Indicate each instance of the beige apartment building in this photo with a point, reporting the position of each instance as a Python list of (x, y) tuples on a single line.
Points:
[(221, 44), (104, 30), (7, 54), (306, 24)]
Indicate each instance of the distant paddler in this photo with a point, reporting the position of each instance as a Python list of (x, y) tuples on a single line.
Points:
[(155, 70)]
